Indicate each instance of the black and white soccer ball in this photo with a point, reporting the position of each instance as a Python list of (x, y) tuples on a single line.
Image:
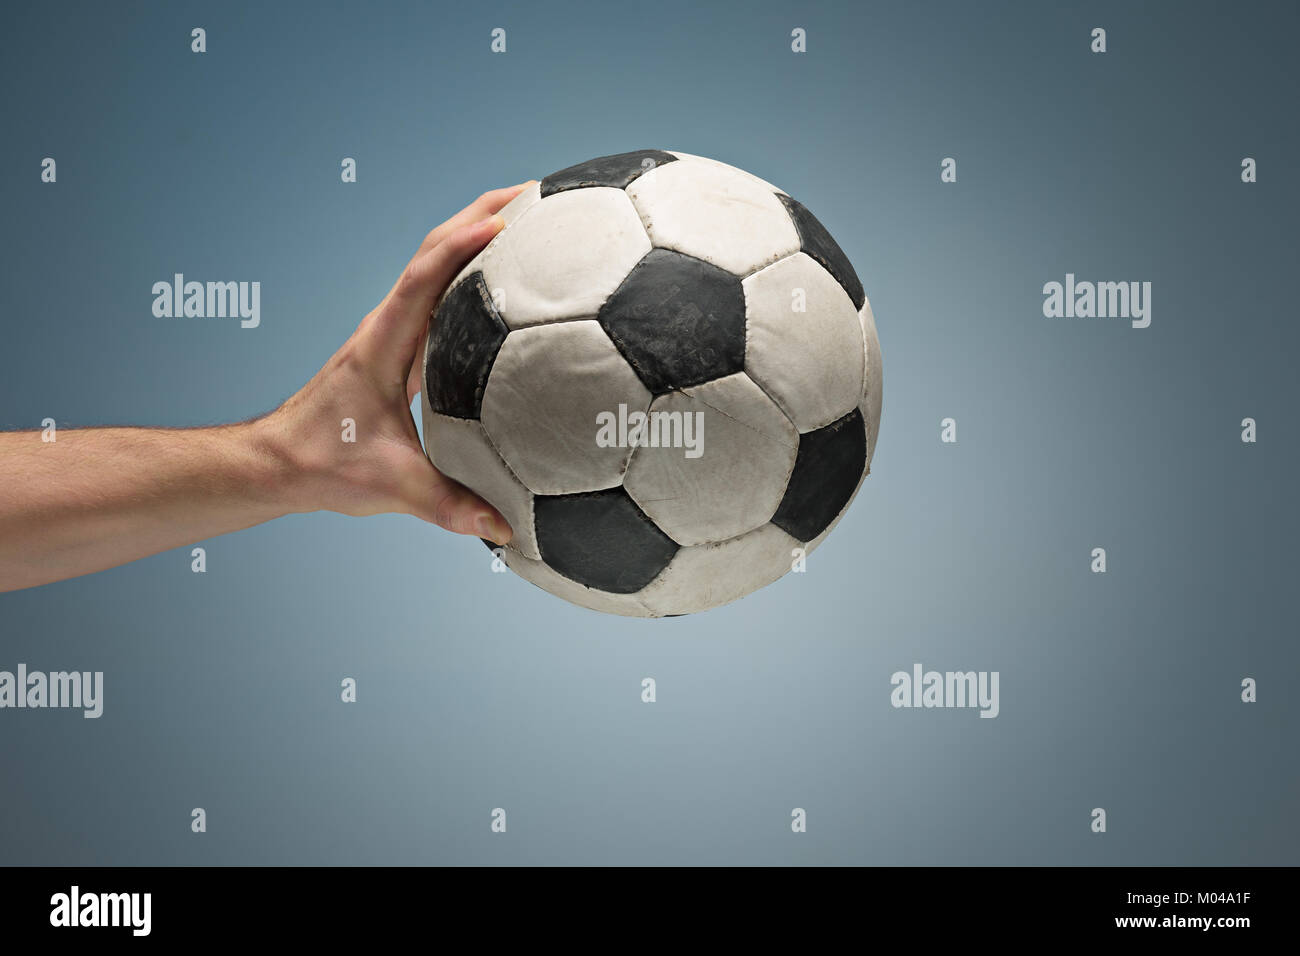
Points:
[(665, 374)]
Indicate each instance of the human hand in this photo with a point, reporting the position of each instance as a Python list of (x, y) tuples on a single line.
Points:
[(372, 380)]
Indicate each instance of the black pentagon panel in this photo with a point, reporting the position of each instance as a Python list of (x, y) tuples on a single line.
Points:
[(678, 320), (466, 336), (826, 470), (817, 242), (617, 171), (601, 539)]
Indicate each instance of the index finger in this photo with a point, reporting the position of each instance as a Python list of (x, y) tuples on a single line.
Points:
[(488, 204)]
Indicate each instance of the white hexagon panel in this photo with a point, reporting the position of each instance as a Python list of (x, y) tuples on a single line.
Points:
[(715, 213), (563, 257), (803, 341), (713, 460), (549, 386)]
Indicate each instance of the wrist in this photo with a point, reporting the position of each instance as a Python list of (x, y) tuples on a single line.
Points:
[(279, 478)]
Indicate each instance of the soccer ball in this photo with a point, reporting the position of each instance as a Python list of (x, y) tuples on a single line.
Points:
[(665, 374)]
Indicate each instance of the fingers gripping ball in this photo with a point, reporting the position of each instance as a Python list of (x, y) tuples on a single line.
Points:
[(664, 373)]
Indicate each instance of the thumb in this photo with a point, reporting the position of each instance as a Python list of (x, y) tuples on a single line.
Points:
[(449, 504)]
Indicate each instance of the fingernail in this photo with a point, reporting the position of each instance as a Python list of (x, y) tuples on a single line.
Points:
[(497, 223), (488, 528)]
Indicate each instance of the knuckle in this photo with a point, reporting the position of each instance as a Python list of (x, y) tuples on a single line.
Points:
[(415, 275), (445, 512), (410, 277)]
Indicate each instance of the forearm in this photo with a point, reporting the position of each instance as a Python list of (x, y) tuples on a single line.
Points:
[(346, 442), (99, 497)]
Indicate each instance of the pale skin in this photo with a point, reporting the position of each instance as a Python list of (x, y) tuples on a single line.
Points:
[(98, 497)]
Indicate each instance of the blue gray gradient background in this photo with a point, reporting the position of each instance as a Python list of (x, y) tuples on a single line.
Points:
[(479, 691)]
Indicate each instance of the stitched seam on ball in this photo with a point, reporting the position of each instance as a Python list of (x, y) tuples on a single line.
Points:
[(532, 515)]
